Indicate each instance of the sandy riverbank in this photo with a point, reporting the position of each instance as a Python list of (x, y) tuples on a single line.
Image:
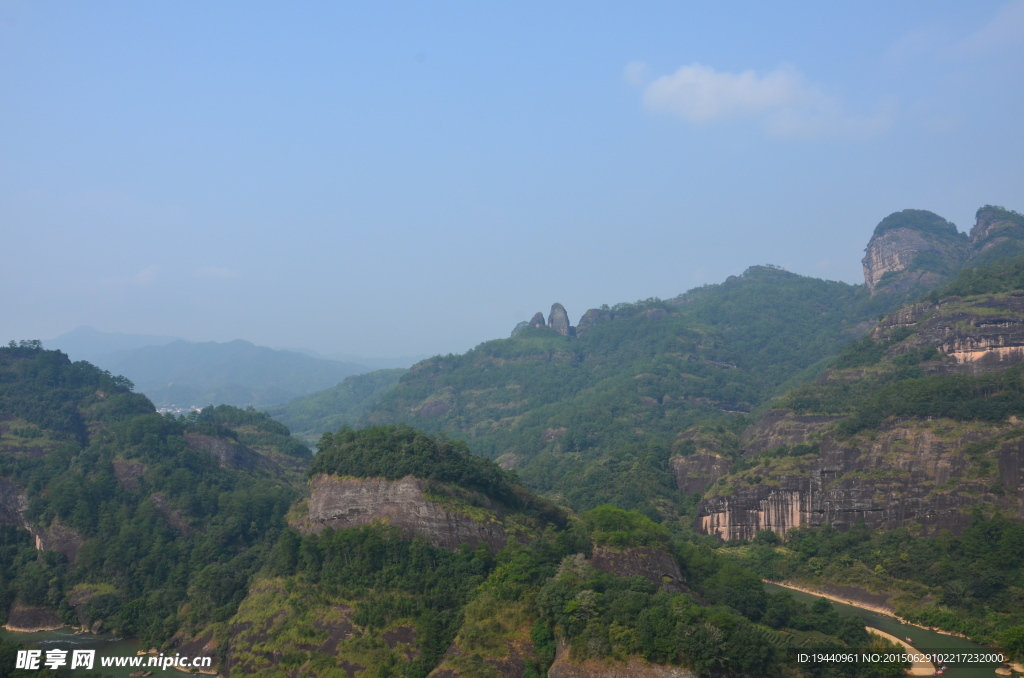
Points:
[(864, 606), (918, 668)]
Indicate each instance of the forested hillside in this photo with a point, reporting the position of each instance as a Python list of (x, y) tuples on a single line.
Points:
[(595, 418), (148, 525)]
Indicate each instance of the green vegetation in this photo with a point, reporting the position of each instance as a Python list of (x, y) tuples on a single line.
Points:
[(972, 584), (394, 452), (594, 419), (312, 415), (919, 220), (147, 535)]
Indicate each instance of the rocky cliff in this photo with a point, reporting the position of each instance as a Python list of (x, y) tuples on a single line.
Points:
[(558, 320), (913, 249), (976, 334), (340, 503), (654, 565), (925, 473)]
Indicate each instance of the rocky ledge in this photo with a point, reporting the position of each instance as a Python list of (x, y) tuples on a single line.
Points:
[(928, 473), (341, 503)]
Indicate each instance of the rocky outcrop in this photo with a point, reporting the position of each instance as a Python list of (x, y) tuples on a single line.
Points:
[(58, 537), (978, 334), (635, 667), (558, 320), (696, 471), (227, 452), (29, 619), (913, 249), (340, 503), (654, 565), (997, 233), (537, 320), (128, 472), (591, 319), (13, 503), (908, 472)]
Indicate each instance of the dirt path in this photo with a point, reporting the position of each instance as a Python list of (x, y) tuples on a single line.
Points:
[(921, 668)]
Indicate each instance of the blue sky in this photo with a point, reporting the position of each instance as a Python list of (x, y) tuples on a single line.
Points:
[(406, 178)]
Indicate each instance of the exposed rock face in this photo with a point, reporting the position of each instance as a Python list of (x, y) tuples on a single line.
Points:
[(228, 453), (128, 472), (26, 619), (591, 319), (558, 319), (58, 538), (13, 503), (564, 667), (519, 327), (897, 247), (173, 516), (537, 320), (979, 335), (996, 233), (696, 471), (907, 472), (350, 502), (654, 565)]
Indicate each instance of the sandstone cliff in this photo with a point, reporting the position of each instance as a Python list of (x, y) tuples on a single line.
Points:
[(913, 249), (654, 565), (350, 502), (928, 473)]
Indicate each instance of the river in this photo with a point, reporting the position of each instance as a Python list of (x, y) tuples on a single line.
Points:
[(921, 639), (65, 639)]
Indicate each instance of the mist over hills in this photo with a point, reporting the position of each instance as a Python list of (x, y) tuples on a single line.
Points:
[(175, 373)]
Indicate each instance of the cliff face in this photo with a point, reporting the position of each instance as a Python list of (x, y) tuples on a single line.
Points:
[(978, 334), (695, 472), (228, 453), (564, 667), (340, 503), (908, 472), (13, 503), (558, 320), (917, 249), (654, 565)]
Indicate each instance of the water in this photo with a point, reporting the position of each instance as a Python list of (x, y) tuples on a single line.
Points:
[(65, 639), (922, 639)]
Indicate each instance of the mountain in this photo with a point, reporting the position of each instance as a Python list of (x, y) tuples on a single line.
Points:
[(86, 343), (115, 517), (325, 411), (184, 374)]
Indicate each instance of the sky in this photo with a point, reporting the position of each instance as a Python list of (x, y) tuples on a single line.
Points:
[(404, 178)]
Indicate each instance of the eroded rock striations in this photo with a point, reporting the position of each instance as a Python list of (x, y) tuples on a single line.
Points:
[(340, 503), (913, 249), (908, 472)]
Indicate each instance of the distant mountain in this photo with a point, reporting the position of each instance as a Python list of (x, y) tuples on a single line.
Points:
[(87, 343), (327, 411), (185, 374)]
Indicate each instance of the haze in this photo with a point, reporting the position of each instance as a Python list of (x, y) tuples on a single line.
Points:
[(398, 179)]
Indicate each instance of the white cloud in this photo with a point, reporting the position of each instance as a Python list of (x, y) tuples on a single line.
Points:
[(215, 272), (781, 100)]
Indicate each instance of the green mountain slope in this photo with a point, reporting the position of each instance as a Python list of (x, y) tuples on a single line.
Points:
[(147, 525), (312, 415), (184, 374), (595, 418)]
